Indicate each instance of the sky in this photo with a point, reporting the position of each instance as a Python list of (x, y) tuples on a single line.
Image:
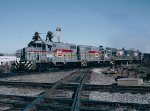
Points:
[(110, 23)]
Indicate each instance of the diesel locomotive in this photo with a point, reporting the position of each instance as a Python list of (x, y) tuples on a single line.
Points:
[(43, 54)]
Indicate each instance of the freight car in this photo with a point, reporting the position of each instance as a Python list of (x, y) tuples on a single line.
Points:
[(43, 54)]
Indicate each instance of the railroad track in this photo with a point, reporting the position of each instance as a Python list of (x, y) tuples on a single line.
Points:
[(90, 105), (115, 88), (76, 84), (74, 77), (86, 87), (45, 101), (65, 104), (41, 98)]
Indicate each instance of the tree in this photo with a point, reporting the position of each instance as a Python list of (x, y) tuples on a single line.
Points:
[(36, 36), (49, 36)]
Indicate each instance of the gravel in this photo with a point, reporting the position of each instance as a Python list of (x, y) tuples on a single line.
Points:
[(102, 79), (146, 83), (98, 78), (3, 108), (26, 91), (63, 93), (42, 78), (124, 109), (20, 91), (117, 97)]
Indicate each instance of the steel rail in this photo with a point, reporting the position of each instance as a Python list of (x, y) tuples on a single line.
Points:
[(76, 102), (77, 96), (19, 102), (85, 104), (96, 105), (87, 87), (23, 84), (116, 88), (40, 99)]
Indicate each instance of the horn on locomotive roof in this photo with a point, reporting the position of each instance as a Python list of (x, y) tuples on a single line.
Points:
[(58, 29), (49, 36)]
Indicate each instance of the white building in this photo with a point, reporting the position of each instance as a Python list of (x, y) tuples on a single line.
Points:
[(7, 59)]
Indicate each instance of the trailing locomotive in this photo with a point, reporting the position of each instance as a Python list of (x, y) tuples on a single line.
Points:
[(43, 54)]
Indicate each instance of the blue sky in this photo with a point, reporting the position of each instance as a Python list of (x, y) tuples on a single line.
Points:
[(113, 23)]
